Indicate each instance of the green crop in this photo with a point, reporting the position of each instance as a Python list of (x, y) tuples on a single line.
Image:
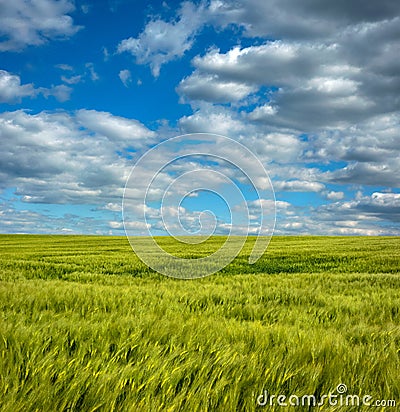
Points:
[(86, 326)]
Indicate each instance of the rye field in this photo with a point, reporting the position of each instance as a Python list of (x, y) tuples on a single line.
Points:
[(85, 326)]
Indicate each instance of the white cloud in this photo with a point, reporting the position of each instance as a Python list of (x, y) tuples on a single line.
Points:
[(78, 75), (364, 216), (313, 84), (64, 67), (113, 207), (26, 23), (125, 77), (332, 195), (161, 42), (332, 86), (279, 147), (106, 54), (280, 205), (322, 71), (295, 19), (266, 111), (61, 92), (17, 220), (71, 80), (85, 8), (375, 208), (129, 225), (270, 63), (324, 92), (92, 73), (326, 68), (298, 186), (386, 199), (209, 87), (368, 149), (115, 128), (270, 146), (385, 174), (63, 158), (12, 91), (212, 119), (59, 158)]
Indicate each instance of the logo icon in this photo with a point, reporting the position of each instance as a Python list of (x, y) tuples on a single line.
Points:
[(191, 188)]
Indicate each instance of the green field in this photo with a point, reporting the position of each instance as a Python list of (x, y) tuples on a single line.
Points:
[(85, 326)]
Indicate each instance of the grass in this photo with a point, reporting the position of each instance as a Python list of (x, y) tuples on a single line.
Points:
[(86, 326)]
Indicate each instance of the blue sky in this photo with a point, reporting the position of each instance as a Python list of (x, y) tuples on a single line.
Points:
[(312, 88)]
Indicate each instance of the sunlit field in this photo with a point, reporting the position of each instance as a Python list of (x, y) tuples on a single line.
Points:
[(86, 326)]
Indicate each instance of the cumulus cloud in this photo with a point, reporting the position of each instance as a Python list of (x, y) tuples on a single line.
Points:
[(332, 195), (367, 150), (385, 174), (311, 85), (273, 63), (130, 225), (113, 207), (365, 215), (75, 75), (31, 23), (212, 120), (376, 207), (64, 67), (91, 71), (161, 41), (117, 129), (76, 158), (210, 88), (336, 81), (298, 186), (12, 91), (326, 67), (20, 220), (71, 80), (61, 92), (269, 145), (315, 96), (293, 19), (125, 77), (346, 25), (64, 158)]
